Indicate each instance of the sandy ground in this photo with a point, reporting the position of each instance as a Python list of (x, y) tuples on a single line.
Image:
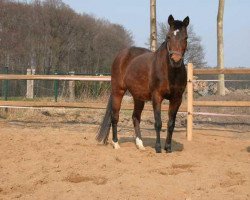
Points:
[(42, 160)]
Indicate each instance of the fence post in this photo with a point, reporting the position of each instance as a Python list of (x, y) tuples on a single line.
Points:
[(5, 85), (30, 85), (56, 83), (72, 87), (189, 101)]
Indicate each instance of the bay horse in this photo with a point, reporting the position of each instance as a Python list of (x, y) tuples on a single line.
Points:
[(148, 76)]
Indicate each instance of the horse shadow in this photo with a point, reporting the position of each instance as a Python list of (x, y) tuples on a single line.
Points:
[(248, 149), (150, 142)]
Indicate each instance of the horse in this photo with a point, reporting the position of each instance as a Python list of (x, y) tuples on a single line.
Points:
[(148, 76)]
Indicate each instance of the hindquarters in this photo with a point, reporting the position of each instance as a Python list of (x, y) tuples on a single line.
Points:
[(118, 70), (118, 85)]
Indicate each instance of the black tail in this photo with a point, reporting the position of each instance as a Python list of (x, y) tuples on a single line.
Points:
[(103, 132)]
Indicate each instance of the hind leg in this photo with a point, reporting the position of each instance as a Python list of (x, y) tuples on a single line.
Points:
[(116, 106), (138, 107)]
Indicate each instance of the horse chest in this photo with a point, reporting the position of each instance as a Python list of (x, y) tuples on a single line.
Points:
[(169, 89), (164, 87)]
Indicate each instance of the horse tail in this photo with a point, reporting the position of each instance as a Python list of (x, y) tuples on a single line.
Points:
[(104, 128)]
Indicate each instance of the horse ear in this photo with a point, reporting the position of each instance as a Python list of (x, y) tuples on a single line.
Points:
[(170, 20), (186, 21)]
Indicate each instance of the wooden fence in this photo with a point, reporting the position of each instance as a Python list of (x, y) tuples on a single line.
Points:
[(186, 108), (191, 103)]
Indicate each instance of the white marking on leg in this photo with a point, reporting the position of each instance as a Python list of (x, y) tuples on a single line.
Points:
[(176, 31), (116, 145), (139, 144)]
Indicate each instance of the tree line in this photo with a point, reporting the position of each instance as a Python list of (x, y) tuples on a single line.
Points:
[(49, 36)]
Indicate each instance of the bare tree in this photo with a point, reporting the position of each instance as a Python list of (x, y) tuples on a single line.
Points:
[(220, 47), (153, 28)]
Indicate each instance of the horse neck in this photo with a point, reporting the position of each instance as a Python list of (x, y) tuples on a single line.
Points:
[(162, 57)]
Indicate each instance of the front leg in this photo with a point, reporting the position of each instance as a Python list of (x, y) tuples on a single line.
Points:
[(173, 109), (157, 99)]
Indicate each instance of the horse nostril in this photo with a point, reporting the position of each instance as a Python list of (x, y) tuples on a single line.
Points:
[(176, 57)]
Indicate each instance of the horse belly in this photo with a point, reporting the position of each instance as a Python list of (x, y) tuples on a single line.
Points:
[(139, 88), (140, 93)]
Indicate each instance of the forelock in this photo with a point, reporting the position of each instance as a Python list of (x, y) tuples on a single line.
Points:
[(178, 24)]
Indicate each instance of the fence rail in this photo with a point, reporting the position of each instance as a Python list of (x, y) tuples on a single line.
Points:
[(222, 103), (40, 104), (54, 77), (220, 71)]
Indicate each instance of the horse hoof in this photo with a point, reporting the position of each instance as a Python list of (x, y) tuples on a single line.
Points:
[(116, 145), (158, 148), (139, 144), (168, 149)]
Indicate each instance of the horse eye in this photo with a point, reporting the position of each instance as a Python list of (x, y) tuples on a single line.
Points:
[(168, 37), (186, 38)]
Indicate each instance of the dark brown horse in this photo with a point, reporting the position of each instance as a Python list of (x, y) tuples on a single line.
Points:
[(149, 76)]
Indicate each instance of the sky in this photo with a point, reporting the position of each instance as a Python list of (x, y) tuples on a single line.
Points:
[(134, 15)]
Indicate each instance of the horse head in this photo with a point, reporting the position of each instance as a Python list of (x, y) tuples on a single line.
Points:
[(176, 40)]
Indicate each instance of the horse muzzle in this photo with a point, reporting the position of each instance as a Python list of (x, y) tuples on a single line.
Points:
[(176, 64), (176, 58)]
